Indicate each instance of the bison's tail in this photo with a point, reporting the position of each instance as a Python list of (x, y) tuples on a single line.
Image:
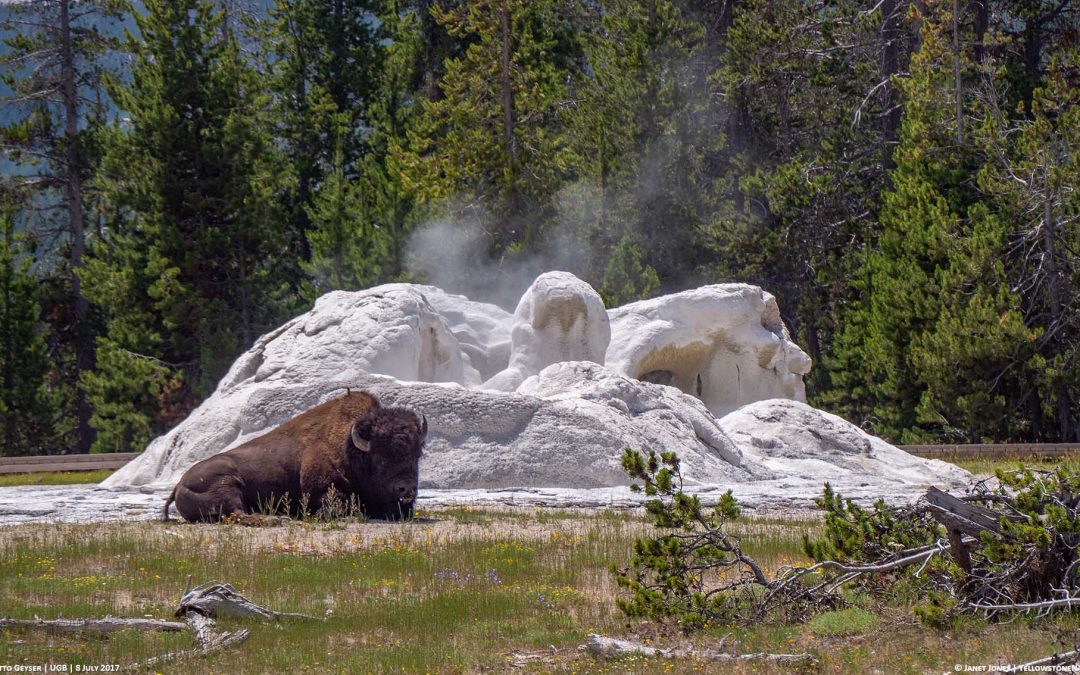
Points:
[(170, 500)]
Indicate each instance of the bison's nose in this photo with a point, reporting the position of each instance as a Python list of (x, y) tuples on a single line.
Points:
[(406, 493)]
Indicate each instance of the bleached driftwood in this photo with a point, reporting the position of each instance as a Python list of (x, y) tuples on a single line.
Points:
[(606, 646), (214, 600), (198, 606), (106, 624), (1061, 659), (201, 605), (609, 647), (724, 657), (208, 640), (1042, 607)]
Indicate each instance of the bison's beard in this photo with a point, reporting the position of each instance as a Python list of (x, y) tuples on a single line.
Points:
[(391, 509)]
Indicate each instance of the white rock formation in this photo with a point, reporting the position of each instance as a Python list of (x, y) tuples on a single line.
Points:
[(392, 330), (483, 439), (790, 438), (482, 329), (561, 419), (724, 344), (560, 318)]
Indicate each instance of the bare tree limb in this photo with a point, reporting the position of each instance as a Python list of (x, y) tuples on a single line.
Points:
[(1041, 606), (108, 624), (609, 647), (207, 639), (213, 600), (1062, 659)]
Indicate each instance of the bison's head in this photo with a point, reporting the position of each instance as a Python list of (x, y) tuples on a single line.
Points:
[(385, 445)]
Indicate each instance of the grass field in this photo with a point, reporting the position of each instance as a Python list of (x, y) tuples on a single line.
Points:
[(54, 477), (988, 466), (458, 590)]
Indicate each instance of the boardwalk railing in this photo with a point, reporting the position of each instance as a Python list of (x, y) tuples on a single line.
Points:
[(112, 460), (994, 451)]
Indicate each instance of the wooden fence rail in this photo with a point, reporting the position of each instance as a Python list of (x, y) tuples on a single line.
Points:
[(113, 460), (994, 451)]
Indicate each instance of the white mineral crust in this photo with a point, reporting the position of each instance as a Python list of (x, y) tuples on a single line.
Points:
[(540, 405), (560, 318), (724, 344), (791, 438)]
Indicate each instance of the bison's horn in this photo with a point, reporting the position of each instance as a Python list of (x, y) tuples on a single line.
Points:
[(423, 425), (361, 444)]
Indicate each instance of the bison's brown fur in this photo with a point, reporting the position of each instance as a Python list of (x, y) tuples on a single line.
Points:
[(299, 461)]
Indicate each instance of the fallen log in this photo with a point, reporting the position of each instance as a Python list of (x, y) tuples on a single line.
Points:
[(104, 625), (214, 600), (613, 647), (1060, 659), (608, 647), (201, 605), (206, 637)]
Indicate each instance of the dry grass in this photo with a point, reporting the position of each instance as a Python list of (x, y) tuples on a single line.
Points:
[(457, 590)]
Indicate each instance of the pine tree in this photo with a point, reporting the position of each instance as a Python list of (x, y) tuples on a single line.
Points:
[(497, 140), (1030, 175), (57, 53), (810, 114), (25, 413), (938, 344), (392, 113), (901, 282), (324, 60), (626, 278), (639, 134), (196, 264), (348, 249)]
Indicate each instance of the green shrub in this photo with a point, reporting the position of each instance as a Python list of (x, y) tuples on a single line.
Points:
[(853, 621)]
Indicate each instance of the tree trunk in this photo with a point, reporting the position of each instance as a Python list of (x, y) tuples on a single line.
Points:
[(956, 74), (340, 92), (1053, 291), (84, 341), (1032, 54), (7, 300), (982, 25), (889, 36), (506, 229), (304, 175), (507, 91)]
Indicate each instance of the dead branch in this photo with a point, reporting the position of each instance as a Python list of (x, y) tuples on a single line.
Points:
[(207, 639), (724, 657), (200, 606), (1041, 607), (108, 624), (850, 572), (911, 559), (214, 599), (611, 647), (608, 647), (1062, 659)]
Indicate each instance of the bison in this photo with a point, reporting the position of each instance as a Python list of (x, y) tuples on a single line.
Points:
[(365, 452)]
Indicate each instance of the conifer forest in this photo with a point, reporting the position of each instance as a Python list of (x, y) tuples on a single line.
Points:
[(181, 176)]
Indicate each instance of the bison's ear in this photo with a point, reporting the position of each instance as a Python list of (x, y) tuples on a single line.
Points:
[(362, 444)]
